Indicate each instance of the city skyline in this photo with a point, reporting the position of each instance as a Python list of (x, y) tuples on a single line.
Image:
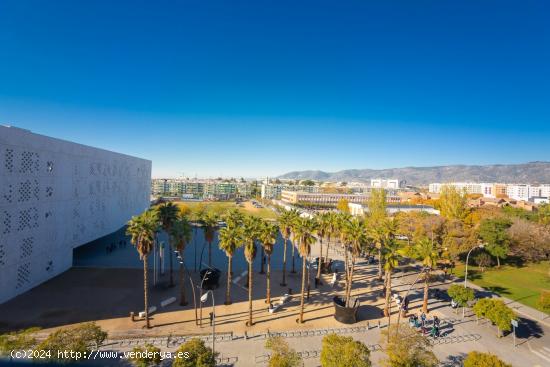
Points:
[(260, 90)]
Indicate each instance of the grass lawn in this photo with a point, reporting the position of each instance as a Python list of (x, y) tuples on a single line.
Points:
[(522, 284), (220, 207)]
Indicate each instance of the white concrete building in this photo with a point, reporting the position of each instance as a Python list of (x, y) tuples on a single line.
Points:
[(518, 192), (55, 196), (468, 187), (381, 183)]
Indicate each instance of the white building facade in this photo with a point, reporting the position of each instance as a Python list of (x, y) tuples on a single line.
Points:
[(55, 196), (380, 183)]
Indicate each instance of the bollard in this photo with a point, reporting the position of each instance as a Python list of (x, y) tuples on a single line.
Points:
[(245, 335), (379, 324), (368, 325)]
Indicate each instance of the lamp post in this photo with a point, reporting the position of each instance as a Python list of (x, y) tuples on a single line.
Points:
[(424, 270), (204, 298), (180, 260), (481, 245)]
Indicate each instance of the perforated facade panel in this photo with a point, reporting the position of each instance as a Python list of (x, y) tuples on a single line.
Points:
[(56, 195)]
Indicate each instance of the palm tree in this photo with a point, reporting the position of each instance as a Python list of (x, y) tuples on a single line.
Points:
[(377, 234), (294, 217), (210, 223), (168, 213), (303, 232), (332, 229), (323, 223), (391, 256), (268, 237), (355, 236), (426, 251), (230, 238), (285, 221), (180, 234), (250, 229), (142, 230), (343, 221)]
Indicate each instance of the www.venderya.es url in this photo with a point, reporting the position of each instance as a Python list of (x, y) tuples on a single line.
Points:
[(94, 354)]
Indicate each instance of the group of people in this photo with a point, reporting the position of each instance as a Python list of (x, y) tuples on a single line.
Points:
[(421, 323)]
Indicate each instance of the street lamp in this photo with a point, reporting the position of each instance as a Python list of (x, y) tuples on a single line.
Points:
[(481, 245), (424, 270), (204, 298)]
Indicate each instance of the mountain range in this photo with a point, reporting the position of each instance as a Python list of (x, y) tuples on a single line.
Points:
[(532, 172)]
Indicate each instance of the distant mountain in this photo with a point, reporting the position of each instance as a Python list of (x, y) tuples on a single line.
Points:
[(532, 172)]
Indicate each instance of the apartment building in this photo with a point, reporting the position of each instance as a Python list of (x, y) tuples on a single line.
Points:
[(299, 197), (381, 183)]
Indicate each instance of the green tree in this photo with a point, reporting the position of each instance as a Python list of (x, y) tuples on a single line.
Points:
[(285, 221), (390, 256), (453, 203), (194, 353), (377, 205), (408, 349), (461, 295), (268, 237), (282, 355), (482, 307), (168, 213), (250, 230), (478, 359), (210, 223), (304, 230), (79, 339), (344, 351), (343, 205), (323, 227), (17, 340), (426, 251), (145, 356), (142, 230), (493, 233), (180, 234), (230, 238), (543, 303), (355, 237), (501, 316), (308, 183)]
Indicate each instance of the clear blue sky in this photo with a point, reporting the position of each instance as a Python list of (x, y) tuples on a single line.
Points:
[(252, 88)]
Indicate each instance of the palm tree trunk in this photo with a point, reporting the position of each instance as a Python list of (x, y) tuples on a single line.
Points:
[(228, 290), (348, 294), (209, 254), (250, 293), (283, 283), (183, 301), (388, 295), (303, 290), (346, 270), (268, 296), (426, 290), (146, 292), (320, 264), (380, 264), (171, 266), (293, 255), (328, 245), (262, 261)]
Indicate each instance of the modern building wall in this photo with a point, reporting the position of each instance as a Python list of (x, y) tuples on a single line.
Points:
[(55, 196)]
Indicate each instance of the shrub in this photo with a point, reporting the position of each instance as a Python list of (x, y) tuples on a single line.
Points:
[(17, 340), (409, 348), (544, 302), (343, 351), (282, 355), (501, 315), (146, 356), (482, 306), (462, 295), (195, 353), (478, 359), (79, 339)]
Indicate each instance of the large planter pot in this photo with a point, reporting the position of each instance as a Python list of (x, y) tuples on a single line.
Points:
[(343, 314), (211, 278)]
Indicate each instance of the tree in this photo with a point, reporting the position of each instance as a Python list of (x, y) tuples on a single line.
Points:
[(210, 223), (268, 237), (377, 205), (355, 237), (230, 238), (282, 355), (331, 230), (142, 230), (493, 233), (478, 359), (482, 307), (145, 356), (308, 183), (426, 251), (194, 353), (80, 339), (501, 316), (250, 229), (482, 260), (180, 233), (453, 203), (408, 349), (323, 227), (344, 351), (461, 295), (391, 256), (17, 340), (285, 221), (167, 214), (343, 205), (304, 230), (529, 240)]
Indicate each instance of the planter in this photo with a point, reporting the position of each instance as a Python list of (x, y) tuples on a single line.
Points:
[(343, 314), (211, 281)]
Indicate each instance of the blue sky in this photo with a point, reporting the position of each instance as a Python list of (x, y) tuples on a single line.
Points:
[(253, 88)]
